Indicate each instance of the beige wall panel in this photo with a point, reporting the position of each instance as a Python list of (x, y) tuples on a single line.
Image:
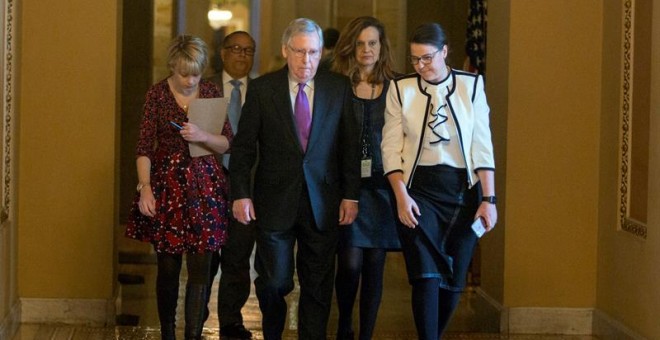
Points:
[(196, 21), (497, 86), (393, 13), (639, 153), (649, 325), (627, 265), (68, 114), (281, 14), (553, 86), (347, 10), (162, 36), (319, 11), (275, 18), (552, 153)]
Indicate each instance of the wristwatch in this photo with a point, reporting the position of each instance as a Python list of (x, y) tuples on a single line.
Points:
[(141, 185), (489, 199)]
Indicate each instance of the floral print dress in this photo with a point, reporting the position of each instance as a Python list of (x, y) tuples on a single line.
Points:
[(191, 193)]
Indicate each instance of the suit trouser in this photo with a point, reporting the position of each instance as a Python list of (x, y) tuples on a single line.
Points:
[(234, 263), (315, 266)]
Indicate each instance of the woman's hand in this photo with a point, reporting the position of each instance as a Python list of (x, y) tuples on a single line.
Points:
[(408, 210), (488, 212), (192, 133), (147, 203), (406, 207), (348, 210)]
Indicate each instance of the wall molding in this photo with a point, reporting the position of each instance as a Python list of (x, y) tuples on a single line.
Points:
[(538, 320), (8, 111), (567, 321), (10, 323), (88, 312), (605, 327), (517, 320), (564, 321), (626, 223)]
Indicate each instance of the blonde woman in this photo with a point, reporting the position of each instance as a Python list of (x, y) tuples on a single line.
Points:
[(181, 205)]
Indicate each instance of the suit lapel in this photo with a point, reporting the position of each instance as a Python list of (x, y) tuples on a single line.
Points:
[(321, 97)]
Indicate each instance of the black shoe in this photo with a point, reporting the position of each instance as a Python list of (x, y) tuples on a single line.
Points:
[(347, 336), (235, 331)]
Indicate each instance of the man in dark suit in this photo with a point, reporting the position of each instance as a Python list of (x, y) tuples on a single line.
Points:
[(307, 179), (237, 54)]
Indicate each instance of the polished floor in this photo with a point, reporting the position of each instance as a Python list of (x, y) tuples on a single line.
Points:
[(50, 332), (474, 319)]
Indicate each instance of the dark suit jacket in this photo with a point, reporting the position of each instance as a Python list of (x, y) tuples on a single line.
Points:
[(330, 168), (217, 80)]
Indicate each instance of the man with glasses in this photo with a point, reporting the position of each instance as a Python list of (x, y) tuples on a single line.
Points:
[(237, 54), (307, 180)]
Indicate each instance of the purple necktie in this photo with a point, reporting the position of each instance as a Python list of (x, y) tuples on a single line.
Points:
[(303, 116)]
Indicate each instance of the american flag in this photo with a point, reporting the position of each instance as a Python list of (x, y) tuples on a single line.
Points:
[(475, 44)]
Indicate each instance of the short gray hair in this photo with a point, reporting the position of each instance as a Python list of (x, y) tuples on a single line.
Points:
[(302, 26)]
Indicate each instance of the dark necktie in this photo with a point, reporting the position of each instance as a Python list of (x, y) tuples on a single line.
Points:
[(233, 113), (303, 116)]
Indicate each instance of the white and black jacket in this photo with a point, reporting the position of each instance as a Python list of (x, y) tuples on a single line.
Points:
[(406, 116)]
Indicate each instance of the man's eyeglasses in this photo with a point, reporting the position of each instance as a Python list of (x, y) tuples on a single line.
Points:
[(236, 49), (300, 53), (425, 59)]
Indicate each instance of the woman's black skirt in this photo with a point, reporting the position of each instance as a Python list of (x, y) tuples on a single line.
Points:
[(441, 246)]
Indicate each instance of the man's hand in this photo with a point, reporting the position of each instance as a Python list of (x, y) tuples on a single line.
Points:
[(243, 211)]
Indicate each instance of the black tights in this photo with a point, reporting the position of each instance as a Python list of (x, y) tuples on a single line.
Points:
[(432, 307), (354, 262), (167, 284)]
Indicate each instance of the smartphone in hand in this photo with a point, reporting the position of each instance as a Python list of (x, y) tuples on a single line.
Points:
[(479, 227)]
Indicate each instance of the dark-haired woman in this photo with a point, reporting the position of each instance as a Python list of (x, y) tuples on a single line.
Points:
[(438, 158), (363, 54)]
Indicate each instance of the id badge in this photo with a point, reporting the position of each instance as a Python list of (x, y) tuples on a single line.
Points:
[(366, 168)]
